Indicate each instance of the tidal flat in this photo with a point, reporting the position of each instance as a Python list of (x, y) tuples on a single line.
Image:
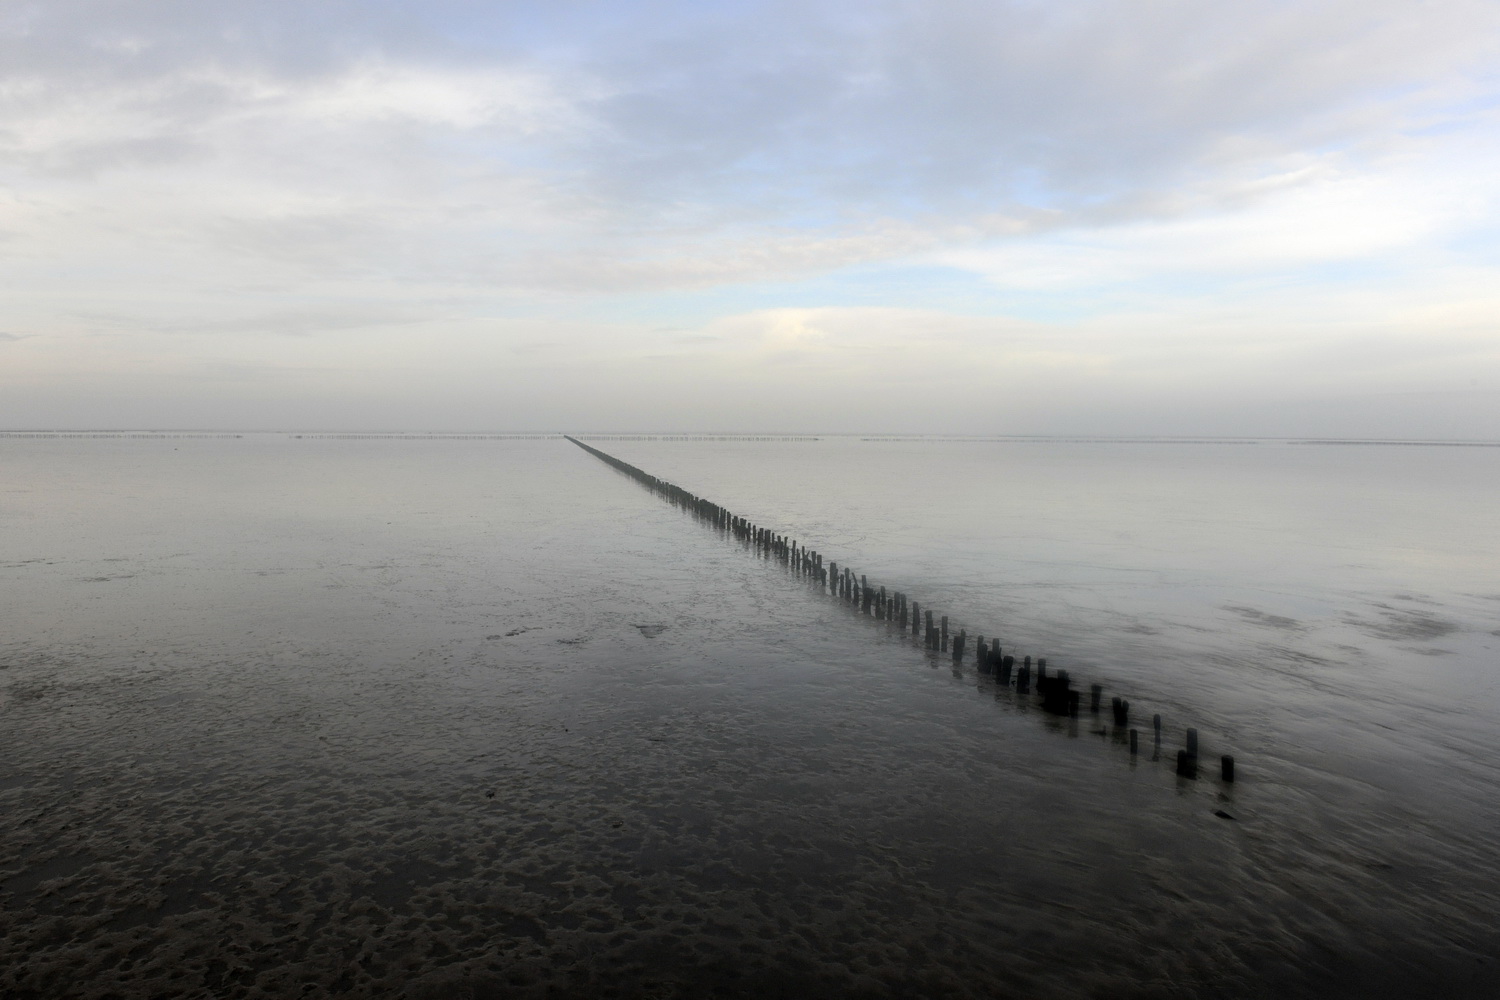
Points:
[(428, 717)]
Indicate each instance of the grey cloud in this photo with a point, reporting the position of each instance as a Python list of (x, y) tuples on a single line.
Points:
[(89, 158), (539, 347), (702, 113), (297, 323), (694, 145), (326, 242), (241, 372), (903, 107), (307, 322)]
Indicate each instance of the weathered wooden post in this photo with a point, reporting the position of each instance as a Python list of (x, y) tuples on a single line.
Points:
[(1055, 694)]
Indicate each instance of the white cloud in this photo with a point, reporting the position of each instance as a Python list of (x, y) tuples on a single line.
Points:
[(372, 91), (1232, 195), (1338, 209)]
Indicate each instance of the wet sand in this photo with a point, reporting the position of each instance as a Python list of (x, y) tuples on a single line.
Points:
[(300, 735)]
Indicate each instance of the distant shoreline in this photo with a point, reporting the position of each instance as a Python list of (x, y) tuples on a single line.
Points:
[(48, 434)]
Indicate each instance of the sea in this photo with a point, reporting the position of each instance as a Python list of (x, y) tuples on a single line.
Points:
[(478, 716)]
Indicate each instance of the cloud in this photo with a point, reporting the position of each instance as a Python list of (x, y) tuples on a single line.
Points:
[(896, 108), (1315, 214), (677, 114), (1083, 195), (294, 322)]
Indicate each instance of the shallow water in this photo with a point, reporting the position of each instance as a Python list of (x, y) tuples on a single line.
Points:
[(484, 717)]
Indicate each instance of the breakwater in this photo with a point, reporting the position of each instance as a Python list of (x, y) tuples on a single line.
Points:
[(1057, 692)]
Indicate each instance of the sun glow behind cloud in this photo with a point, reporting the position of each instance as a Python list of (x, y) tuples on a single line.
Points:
[(1163, 216)]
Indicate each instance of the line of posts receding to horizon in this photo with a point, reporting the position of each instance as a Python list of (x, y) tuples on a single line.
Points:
[(900, 612)]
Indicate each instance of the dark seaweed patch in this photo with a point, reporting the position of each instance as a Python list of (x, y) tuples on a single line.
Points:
[(1259, 617), (1402, 625)]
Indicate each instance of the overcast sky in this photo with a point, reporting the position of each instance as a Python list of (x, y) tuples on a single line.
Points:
[(984, 217)]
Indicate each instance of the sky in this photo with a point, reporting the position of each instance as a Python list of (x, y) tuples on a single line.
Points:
[(999, 217)]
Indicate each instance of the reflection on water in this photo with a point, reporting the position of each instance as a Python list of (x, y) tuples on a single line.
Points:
[(481, 717)]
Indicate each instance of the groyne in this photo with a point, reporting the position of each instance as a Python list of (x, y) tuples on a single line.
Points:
[(1057, 692)]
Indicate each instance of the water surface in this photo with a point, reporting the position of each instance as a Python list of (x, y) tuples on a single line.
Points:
[(381, 717)]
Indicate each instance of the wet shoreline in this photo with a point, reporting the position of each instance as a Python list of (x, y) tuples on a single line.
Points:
[(544, 748)]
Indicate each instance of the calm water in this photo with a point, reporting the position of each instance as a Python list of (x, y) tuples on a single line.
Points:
[(484, 718)]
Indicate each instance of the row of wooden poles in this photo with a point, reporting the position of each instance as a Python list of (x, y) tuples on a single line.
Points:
[(1056, 690)]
